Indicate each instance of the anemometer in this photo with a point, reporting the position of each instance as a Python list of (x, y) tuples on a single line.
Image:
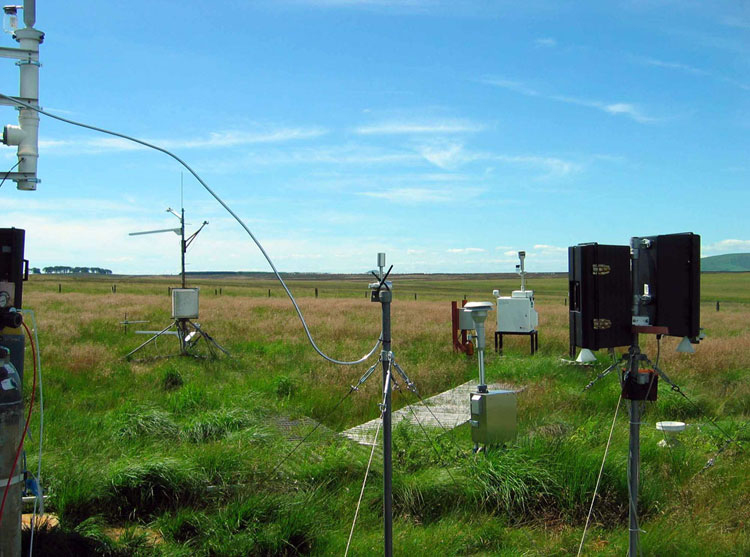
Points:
[(184, 300)]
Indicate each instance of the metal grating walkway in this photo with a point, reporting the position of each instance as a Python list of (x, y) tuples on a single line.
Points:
[(450, 407)]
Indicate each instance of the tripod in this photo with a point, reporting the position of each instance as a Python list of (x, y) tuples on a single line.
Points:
[(188, 338), (188, 332)]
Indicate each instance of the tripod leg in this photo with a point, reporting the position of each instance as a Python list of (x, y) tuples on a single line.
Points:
[(149, 341), (209, 339)]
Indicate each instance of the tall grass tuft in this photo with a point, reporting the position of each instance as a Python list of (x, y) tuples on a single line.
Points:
[(209, 426), (145, 422), (171, 380), (514, 482), (143, 489)]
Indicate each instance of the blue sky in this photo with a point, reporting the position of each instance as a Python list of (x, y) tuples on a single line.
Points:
[(447, 134)]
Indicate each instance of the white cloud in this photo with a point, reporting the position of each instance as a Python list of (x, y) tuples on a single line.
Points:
[(451, 155), (510, 252), (420, 127), (617, 109), (548, 250), (465, 250), (554, 165), (627, 109), (446, 156), (726, 246), (545, 42)]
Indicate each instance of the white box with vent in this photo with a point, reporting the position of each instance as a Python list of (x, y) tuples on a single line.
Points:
[(516, 313), (185, 303)]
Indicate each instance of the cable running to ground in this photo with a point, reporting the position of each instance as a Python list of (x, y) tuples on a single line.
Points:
[(598, 479), (449, 434), (362, 491), (39, 501), (313, 430), (12, 168), (432, 444), (382, 405), (222, 203)]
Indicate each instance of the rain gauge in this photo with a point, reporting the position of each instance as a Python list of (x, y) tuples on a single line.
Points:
[(493, 413)]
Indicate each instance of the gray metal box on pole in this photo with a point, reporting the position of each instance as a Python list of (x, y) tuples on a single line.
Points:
[(493, 417)]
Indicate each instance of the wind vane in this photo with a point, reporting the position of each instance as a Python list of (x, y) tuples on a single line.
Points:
[(184, 300)]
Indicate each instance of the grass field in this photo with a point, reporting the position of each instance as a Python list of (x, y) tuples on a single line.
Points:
[(181, 456)]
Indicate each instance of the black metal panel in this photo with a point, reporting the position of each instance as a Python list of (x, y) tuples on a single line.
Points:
[(12, 262), (600, 296), (670, 266)]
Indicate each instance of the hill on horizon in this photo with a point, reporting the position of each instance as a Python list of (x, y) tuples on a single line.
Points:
[(729, 263)]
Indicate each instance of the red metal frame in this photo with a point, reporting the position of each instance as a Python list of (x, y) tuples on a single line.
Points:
[(462, 345)]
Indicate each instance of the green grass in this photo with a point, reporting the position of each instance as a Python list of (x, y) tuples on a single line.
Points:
[(180, 456)]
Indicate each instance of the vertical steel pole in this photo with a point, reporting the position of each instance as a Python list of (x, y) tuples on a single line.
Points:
[(634, 451), (385, 301), (634, 464)]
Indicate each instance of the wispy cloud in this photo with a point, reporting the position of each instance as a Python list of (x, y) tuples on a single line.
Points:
[(545, 42), (450, 126), (354, 3), (422, 195), (232, 138), (736, 21), (674, 66), (449, 155), (630, 110), (384, 6), (685, 68), (343, 154)]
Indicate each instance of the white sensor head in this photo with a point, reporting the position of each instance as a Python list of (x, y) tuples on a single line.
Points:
[(585, 356), (479, 310)]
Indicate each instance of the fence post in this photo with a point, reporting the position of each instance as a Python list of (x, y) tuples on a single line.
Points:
[(316, 292), (717, 305)]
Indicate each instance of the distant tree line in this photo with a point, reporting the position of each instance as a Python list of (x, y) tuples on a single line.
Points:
[(65, 270)]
